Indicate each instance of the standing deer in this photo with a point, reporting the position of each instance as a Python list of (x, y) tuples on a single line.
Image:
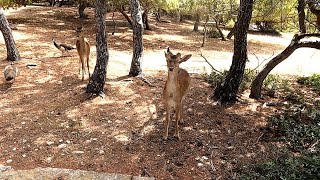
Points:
[(175, 89), (83, 48)]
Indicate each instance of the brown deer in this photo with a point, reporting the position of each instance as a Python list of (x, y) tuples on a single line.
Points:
[(175, 89), (83, 48)]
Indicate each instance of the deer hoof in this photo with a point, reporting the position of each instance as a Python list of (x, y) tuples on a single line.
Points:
[(177, 135)]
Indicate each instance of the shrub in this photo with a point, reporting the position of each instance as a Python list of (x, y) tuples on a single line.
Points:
[(313, 81), (299, 129)]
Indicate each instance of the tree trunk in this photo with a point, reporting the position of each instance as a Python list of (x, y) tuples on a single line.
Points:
[(145, 19), (227, 90), (82, 6), (12, 50), (137, 23), (295, 44), (98, 79), (302, 16), (219, 30), (313, 6), (205, 32), (231, 33), (196, 24), (158, 15), (125, 15)]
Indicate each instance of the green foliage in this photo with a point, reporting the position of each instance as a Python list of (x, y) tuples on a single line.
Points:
[(285, 166), (212, 32), (313, 81), (275, 82), (299, 130), (215, 78)]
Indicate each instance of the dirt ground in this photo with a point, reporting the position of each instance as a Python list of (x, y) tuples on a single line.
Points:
[(47, 120)]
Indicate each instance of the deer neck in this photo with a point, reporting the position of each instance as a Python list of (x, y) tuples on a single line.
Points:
[(173, 77)]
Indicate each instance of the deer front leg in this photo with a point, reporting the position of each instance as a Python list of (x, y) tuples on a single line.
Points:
[(167, 122), (178, 116)]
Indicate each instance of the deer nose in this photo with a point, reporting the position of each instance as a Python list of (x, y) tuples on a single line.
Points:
[(171, 68)]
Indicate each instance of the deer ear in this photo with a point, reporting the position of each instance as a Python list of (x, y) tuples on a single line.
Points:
[(185, 58)]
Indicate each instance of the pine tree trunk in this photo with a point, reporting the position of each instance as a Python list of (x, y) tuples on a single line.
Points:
[(302, 16), (12, 50), (125, 15), (196, 24), (146, 20), (231, 33), (137, 23), (82, 6), (227, 90), (295, 44), (98, 78)]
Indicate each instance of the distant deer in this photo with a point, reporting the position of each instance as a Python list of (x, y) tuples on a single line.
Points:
[(175, 89), (10, 73), (83, 48)]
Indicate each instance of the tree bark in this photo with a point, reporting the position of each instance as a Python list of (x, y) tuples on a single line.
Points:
[(98, 79), (125, 15), (196, 24), (82, 6), (314, 8), (145, 19), (137, 23), (231, 33), (302, 16), (205, 32), (295, 44), (219, 30), (158, 15), (12, 50), (227, 90)]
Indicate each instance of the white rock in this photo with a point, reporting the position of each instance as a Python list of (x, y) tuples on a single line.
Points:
[(61, 140), (14, 149), (9, 161), (67, 141), (49, 159), (23, 122), (101, 152), (61, 146), (77, 152), (205, 158), (50, 143), (24, 155), (200, 164)]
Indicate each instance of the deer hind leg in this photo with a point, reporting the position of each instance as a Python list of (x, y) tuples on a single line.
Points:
[(167, 121), (178, 117)]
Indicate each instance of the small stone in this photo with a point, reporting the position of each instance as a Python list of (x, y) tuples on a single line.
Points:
[(49, 159), (9, 161), (101, 152), (68, 142), (24, 155), (50, 143), (23, 122), (61, 140), (61, 146), (200, 164), (14, 149), (205, 158), (77, 152), (4, 168)]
